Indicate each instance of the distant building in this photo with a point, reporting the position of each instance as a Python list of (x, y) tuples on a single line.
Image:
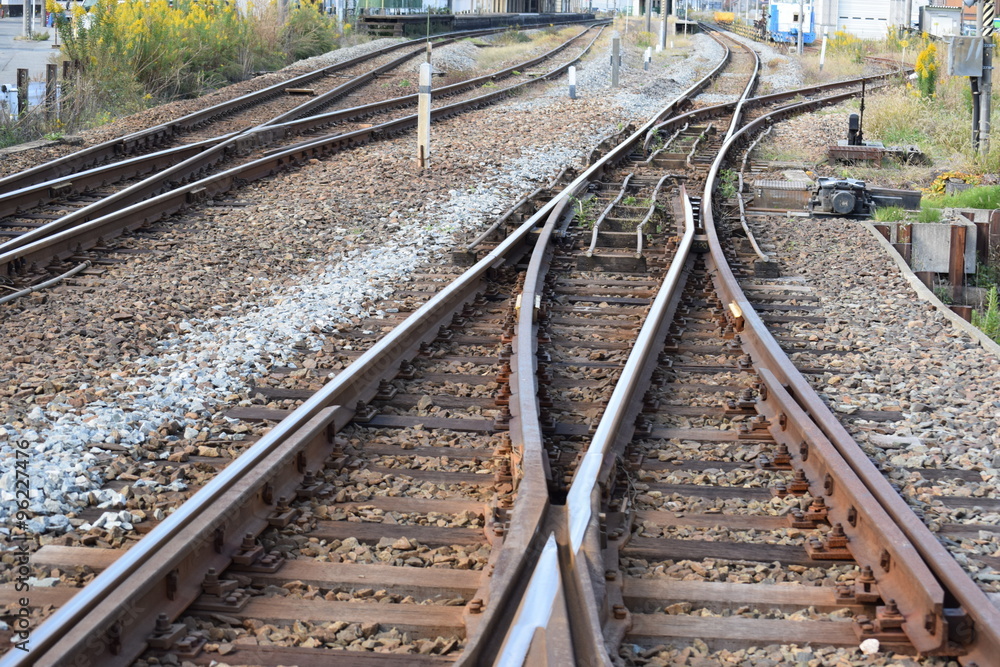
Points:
[(870, 19)]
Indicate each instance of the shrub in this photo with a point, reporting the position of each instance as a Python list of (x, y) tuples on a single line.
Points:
[(928, 214), (308, 31), (988, 321), (927, 70), (889, 214), (983, 197)]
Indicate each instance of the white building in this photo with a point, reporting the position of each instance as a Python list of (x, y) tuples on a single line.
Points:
[(868, 19)]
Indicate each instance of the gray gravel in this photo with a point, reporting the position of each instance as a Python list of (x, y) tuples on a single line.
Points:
[(152, 379)]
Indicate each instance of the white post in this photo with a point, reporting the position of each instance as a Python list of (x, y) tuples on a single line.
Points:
[(647, 58), (572, 82), (822, 51), (424, 116), (616, 46)]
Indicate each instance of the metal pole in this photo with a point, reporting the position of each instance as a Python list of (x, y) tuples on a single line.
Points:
[(616, 46), (22, 92), (986, 82), (802, 23), (51, 72), (424, 116)]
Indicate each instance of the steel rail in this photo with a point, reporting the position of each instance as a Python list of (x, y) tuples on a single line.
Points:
[(119, 590), (584, 629), (640, 230), (902, 528), (36, 249), (763, 100), (154, 136), (115, 597), (751, 86), (212, 152), (113, 601), (167, 159), (596, 231)]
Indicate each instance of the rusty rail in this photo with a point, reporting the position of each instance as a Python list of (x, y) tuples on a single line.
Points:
[(912, 548), (109, 620), (38, 249)]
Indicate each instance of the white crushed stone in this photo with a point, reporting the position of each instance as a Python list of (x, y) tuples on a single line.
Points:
[(212, 359)]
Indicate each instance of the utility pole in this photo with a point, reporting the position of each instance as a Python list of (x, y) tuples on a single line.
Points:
[(26, 18), (802, 22), (986, 81)]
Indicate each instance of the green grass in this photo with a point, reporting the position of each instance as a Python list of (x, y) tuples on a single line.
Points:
[(889, 213), (983, 197), (928, 214)]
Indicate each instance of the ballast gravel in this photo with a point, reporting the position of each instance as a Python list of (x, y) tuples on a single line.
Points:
[(140, 360)]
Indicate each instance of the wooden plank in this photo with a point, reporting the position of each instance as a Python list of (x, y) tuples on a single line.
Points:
[(417, 505), (738, 631), (437, 476), (68, 558), (644, 594), (699, 434), (991, 504), (369, 533), (422, 620), (711, 491), (663, 548), (275, 656), (55, 596), (734, 521), (429, 450), (409, 401), (406, 421), (257, 414), (420, 582)]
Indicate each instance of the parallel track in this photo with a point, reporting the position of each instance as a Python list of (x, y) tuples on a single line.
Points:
[(565, 493)]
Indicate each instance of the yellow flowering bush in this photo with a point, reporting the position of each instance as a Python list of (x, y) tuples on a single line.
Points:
[(927, 69), (936, 188)]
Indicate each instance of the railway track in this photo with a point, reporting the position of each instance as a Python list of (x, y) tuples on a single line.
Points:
[(39, 238), (490, 445)]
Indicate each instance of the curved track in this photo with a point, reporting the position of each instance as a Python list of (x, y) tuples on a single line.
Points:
[(607, 398)]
